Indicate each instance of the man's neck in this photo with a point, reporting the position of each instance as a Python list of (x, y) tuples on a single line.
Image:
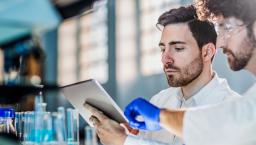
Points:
[(251, 66), (192, 88)]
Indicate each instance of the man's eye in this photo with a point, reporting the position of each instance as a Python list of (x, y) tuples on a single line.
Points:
[(179, 49), (162, 49)]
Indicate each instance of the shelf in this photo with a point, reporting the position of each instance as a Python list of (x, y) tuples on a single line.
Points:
[(15, 93)]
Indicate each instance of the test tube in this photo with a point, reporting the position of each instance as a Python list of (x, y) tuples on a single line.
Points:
[(61, 111), (47, 130), (58, 134), (72, 127), (38, 101), (29, 127), (19, 124), (90, 136)]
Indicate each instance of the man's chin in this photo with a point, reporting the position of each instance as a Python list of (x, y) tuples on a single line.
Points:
[(237, 63), (173, 83), (235, 67)]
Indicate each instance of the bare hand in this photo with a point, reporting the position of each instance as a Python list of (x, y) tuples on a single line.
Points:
[(109, 131)]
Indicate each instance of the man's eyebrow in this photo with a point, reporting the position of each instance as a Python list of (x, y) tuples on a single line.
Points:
[(176, 42), (172, 43), (161, 44)]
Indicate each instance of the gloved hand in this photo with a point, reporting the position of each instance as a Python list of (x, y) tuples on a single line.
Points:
[(149, 112)]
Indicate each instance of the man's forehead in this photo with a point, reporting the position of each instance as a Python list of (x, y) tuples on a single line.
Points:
[(179, 29), (176, 29), (177, 32)]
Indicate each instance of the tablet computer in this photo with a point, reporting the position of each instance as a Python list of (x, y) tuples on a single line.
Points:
[(93, 93)]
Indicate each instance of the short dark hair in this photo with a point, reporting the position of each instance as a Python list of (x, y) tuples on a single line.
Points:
[(203, 31)]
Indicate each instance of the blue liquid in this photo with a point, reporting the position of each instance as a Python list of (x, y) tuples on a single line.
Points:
[(41, 135)]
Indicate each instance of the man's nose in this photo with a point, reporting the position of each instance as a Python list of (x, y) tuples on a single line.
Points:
[(167, 58)]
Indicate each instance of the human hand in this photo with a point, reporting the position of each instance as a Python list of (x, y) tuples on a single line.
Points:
[(108, 130)]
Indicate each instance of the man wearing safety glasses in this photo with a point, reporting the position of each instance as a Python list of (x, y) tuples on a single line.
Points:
[(228, 123)]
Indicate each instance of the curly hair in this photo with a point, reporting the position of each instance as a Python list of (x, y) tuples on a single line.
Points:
[(241, 9)]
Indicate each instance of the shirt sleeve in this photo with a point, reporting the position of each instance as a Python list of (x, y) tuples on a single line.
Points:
[(134, 140), (228, 123)]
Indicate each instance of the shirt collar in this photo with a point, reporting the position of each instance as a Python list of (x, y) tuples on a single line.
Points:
[(203, 94)]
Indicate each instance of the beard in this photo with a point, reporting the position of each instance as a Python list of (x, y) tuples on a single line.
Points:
[(240, 59), (185, 75)]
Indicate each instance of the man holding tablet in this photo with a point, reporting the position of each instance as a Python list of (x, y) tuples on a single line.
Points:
[(188, 47)]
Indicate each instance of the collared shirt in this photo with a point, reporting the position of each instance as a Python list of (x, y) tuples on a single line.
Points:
[(216, 91), (229, 123)]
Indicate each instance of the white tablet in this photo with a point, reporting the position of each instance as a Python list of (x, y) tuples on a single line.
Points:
[(92, 92)]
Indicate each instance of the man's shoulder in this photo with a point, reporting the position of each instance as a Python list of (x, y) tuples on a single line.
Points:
[(226, 91), (218, 91)]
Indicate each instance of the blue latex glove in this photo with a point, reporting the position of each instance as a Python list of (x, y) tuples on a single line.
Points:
[(149, 112)]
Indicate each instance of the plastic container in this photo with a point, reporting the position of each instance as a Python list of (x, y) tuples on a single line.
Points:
[(7, 116)]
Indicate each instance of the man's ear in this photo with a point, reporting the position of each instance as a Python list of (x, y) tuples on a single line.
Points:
[(208, 51)]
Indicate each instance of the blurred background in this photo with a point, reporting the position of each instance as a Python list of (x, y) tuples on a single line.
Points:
[(59, 42), (116, 42)]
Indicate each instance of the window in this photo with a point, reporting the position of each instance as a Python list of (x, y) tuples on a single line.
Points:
[(83, 52), (126, 40), (67, 64), (93, 44)]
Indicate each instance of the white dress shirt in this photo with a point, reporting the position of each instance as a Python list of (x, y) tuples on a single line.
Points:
[(229, 123), (216, 91)]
